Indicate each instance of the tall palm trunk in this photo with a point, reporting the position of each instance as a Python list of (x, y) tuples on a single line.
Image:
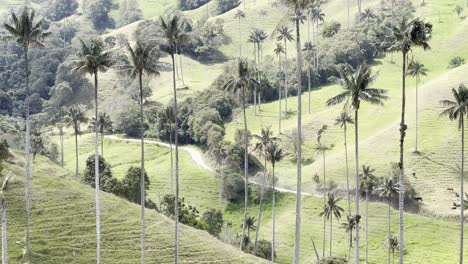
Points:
[(356, 142), (273, 217), (246, 167), (308, 66), (299, 141), (142, 178), (417, 113), (279, 96), (286, 88), (28, 162), (4, 233), (61, 147), (401, 163), (176, 141), (462, 192), (389, 231), (348, 14), (324, 190), (181, 68), (367, 225), (96, 172), (76, 151), (240, 37), (172, 162), (347, 167), (255, 88), (331, 235), (260, 209), (102, 144)]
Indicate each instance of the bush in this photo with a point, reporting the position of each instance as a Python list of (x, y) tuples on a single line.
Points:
[(128, 122), (264, 249), (188, 214), (213, 219), (332, 260), (222, 6), (59, 9), (131, 184), (98, 12), (107, 183), (331, 29), (456, 62)]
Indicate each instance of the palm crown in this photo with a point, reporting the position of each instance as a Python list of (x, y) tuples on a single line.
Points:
[(356, 85), (344, 119), (416, 70), (141, 60), (284, 34), (244, 78), (175, 33), (104, 122), (93, 58), (25, 31), (458, 108), (332, 208), (406, 35)]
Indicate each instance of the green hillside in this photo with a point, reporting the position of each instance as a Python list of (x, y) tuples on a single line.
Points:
[(63, 225)]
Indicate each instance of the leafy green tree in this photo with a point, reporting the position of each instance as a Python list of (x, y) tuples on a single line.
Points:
[(263, 141), (389, 189), (75, 117), (457, 110), (343, 120), (107, 182), (356, 84), (404, 36), (37, 145), (132, 182), (60, 9), (129, 12), (93, 59), (416, 70), (285, 35), (98, 12), (27, 33), (174, 34), (141, 62), (104, 124), (214, 220), (330, 210), (243, 81)]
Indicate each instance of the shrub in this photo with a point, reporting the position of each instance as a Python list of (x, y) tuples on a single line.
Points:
[(213, 219), (264, 249), (188, 214), (107, 183), (131, 184), (456, 62), (331, 29), (332, 260)]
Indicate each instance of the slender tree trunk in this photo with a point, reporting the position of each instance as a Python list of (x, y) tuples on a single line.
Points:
[(347, 168), (359, 6), (256, 74), (176, 139), (246, 167), (324, 204), (96, 172), (356, 139), (462, 192), (240, 36), (273, 217), (317, 46), (279, 96), (4, 233), (142, 178), (260, 211), (367, 224), (417, 114), (181, 69), (308, 66), (28, 162), (76, 151), (172, 162), (401, 163), (102, 144), (348, 14), (61, 147), (286, 87), (331, 235), (389, 231), (299, 147)]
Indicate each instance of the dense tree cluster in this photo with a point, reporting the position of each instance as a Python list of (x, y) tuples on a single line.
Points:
[(191, 4)]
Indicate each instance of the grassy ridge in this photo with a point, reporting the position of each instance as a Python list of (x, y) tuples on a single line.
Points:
[(63, 225)]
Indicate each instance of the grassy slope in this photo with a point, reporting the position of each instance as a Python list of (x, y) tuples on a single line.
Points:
[(448, 41), (63, 225)]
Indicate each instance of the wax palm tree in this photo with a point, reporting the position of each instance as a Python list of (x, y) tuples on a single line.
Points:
[(76, 115), (405, 36), (4, 189), (250, 225), (263, 141), (278, 51), (168, 118), (416, 70), (243, 81), (388, 190), (240, 15), (343, 120), (285, 35), (104, 124), (254, 40), (175, 33), (141, 62), (317, 17), (274, 154), (393, 245), (27, 34), (93, 59), (356, 84), (330, 210), (457, 110), (367, 180), (309, 50), (322, 148), (349, 226), (261, 36), (368, 15), (296, 10)]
